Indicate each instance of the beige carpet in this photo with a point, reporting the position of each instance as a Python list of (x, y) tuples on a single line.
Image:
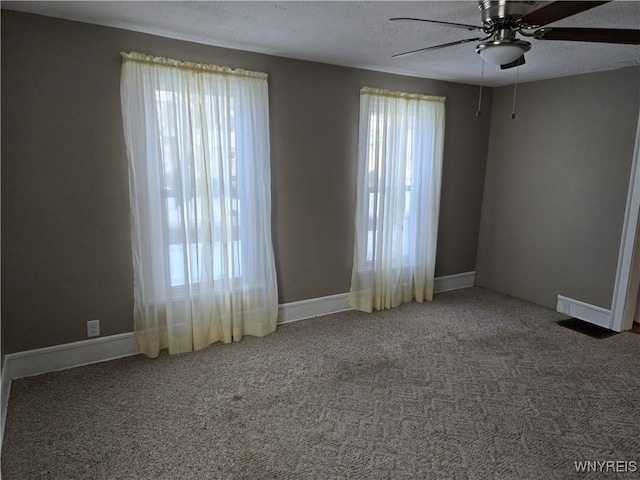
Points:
[(475, 385)]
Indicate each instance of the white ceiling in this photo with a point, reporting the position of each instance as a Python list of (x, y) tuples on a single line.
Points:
[(358, 34)]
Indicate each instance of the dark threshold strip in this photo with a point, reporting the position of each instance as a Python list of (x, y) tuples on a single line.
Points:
[(587, 328)]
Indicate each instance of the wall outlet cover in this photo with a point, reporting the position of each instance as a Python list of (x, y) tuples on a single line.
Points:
[(93, 328)]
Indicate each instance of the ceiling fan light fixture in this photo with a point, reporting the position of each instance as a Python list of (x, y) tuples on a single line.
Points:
[(501, 52)]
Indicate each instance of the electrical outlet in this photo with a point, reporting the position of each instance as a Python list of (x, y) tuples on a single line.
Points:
[(93, 328)]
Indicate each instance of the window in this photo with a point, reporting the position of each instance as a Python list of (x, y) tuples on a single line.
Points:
[(185, 251), (398, 196), (380, 126)]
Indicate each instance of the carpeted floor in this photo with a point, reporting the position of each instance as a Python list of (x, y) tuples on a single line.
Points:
[(475, 385)]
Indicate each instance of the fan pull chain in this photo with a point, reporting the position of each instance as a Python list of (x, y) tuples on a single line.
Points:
[(515, 91), (478, 112)]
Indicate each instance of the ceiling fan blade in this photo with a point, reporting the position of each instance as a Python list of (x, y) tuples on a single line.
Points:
[(556, 11), (515, 63), (435, 47), (472, 28), (600, 35)]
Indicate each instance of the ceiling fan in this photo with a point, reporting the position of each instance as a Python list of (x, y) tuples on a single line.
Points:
[(502, 20)]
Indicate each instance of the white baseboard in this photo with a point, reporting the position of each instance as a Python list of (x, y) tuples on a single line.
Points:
[(316, 307), (454, 282), (313, 307), (584, 311), (5, 389), (59, 357), (68, 355)]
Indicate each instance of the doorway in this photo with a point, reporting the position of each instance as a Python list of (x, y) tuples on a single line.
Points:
[(626, 292)]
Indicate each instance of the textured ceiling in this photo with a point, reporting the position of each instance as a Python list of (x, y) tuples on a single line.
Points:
[(358, 34)]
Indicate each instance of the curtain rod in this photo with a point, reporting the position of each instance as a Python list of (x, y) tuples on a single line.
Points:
[(189, 66), (397, 94)]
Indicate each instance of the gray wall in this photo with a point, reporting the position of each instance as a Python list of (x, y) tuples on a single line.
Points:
[(66, 254), (556, 187)]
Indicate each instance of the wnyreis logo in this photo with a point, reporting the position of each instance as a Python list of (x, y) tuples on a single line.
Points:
[(607, 466)]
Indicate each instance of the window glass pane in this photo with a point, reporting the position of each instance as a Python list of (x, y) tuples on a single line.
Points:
[(213, 173), (379, 127), (174, 215), (176, 265)]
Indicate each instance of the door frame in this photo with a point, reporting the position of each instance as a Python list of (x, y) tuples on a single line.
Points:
[(625, 291)]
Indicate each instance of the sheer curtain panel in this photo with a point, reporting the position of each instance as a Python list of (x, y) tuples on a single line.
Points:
[(399, 169), (197, 140)]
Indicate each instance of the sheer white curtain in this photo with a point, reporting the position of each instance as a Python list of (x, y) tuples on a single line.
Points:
[(399, 170), (197, 140)]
